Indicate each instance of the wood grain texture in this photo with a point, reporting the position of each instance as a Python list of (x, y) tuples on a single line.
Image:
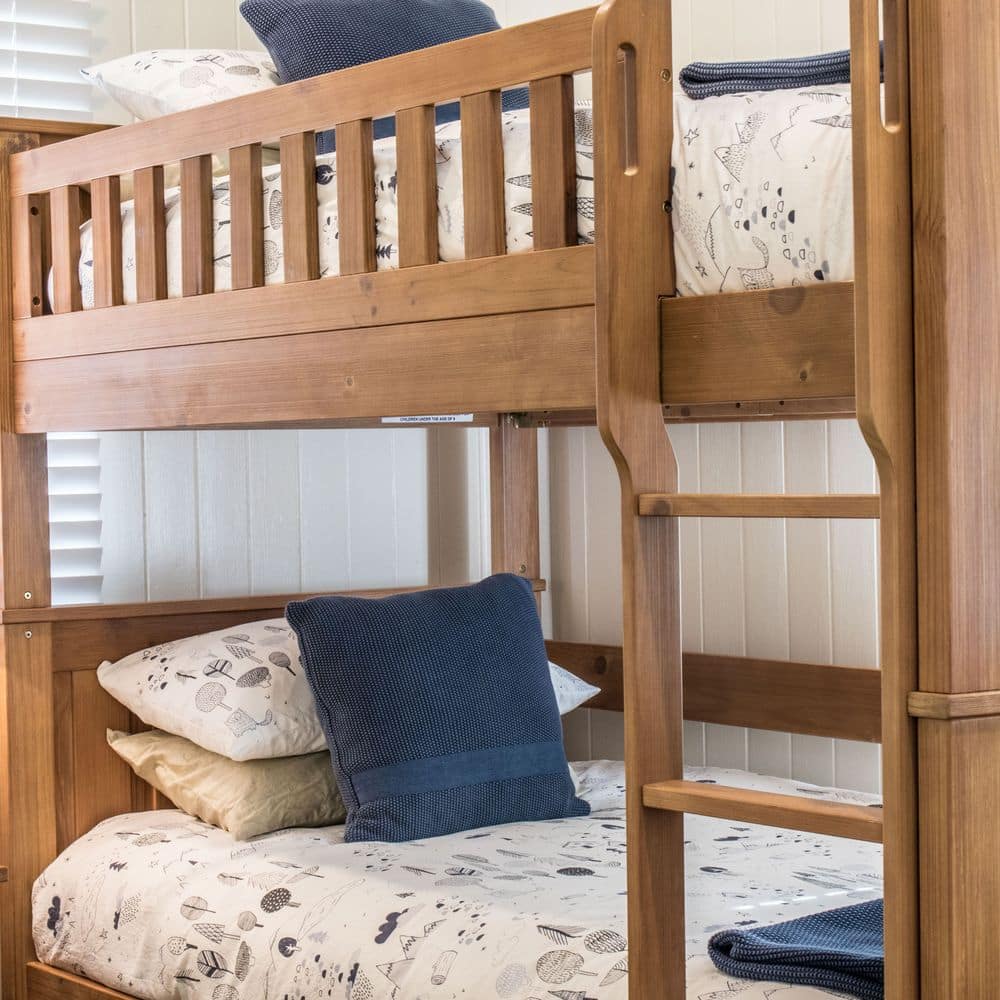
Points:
[(482, 176), (550, 47), (246, 214), (197, 230), (553, 279), (786, 505), (633, 125), (789, 812), (788, 342), (66, 219), (24, 527), (150, 234), (416, 186), (46, 983), (495, 364), (300, 227), (356, 197), (971, 705), (514, 500), (27, 217), (27, 791), (883, 313), (553, 163), (106, 209)]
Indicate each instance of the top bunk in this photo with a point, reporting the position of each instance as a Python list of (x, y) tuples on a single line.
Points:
[(126, 311)]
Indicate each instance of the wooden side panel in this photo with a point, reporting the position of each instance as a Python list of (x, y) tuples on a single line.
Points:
[(46, 983), (300, 232), (633, 120), (356, 197), (767, 345), (105, 200), (197, 251), (416, 186), (150, 235), (482, 175), (553, 163), (246, 216), (494, 364), (514, 500), (66, 221)]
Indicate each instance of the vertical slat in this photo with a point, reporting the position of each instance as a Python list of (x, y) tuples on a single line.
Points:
[(150, 235), (62, 693), (482, 175), (514, 500), (66, 221), (197, 257), (356, 197), (553, 163), (106, 207), (300, 231), (416, 187), (246, 214), (633, 123), (27, 259)]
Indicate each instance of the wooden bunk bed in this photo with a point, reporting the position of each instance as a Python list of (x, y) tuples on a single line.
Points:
[(455, 338)]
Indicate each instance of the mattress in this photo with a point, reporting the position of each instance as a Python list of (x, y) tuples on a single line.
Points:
[(160, 905), (762, 197)]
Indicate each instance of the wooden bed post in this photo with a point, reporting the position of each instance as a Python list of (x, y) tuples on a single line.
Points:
[(27, 740), (956, 134), (514, 499), (633, 124)]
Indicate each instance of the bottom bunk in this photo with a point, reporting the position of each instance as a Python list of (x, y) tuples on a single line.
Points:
[(160, 905)]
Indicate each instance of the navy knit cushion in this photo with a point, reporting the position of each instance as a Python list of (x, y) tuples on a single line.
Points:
[(838, 950), (309, 37), (438, 709)]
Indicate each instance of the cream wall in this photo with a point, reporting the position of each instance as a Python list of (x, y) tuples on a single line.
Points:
[(213, 513)]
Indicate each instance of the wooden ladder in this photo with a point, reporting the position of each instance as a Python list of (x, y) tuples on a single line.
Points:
[(633, 126)]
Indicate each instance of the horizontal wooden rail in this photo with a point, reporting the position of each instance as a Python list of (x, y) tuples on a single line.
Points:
[(47, 983), (806, 698), (782, 505), (551, 47), (968, 705), (765, 345), (788, 812)]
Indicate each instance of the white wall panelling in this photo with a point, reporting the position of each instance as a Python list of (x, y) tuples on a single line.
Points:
[(213, 513)]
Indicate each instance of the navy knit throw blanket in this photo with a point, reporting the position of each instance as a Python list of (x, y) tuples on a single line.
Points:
[(837, 950), (701, 79)]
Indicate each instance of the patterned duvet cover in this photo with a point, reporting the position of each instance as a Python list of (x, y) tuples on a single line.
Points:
[(159, 905)]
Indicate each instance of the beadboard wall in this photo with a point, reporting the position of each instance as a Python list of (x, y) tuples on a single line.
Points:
[(205, 514)]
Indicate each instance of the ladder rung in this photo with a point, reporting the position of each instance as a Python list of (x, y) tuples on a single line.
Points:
[(789, 812), (835, 505)]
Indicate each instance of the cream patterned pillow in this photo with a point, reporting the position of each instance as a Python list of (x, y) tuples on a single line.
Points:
[(164, 81), (239, 692)]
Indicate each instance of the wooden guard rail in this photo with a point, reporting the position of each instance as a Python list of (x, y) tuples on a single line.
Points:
[(85, 176)]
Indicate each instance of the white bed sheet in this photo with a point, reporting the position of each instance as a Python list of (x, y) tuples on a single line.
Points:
[(160, 905), (762, 197)]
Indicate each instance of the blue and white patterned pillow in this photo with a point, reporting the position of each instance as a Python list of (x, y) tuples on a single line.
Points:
[(310, 37), (438, 708)]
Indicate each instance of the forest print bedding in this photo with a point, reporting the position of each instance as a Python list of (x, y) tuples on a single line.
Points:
[(762, 197), (159, 905)]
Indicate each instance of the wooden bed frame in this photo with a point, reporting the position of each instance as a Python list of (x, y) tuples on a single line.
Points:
[(911, 348)]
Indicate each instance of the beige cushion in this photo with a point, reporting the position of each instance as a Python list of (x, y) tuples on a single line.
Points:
[(246, 798)]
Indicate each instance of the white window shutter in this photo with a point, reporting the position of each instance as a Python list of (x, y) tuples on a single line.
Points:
[(75, 518), (43, 46)]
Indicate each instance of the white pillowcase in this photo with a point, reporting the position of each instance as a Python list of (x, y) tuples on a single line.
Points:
[(239, 692), (242, 693), (163, 81)]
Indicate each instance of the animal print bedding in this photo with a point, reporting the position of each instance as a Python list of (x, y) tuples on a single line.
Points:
[(762, 197), (159, 905)]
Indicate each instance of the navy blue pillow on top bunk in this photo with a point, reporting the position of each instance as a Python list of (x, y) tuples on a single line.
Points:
[(438, 708), (310, 37)]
